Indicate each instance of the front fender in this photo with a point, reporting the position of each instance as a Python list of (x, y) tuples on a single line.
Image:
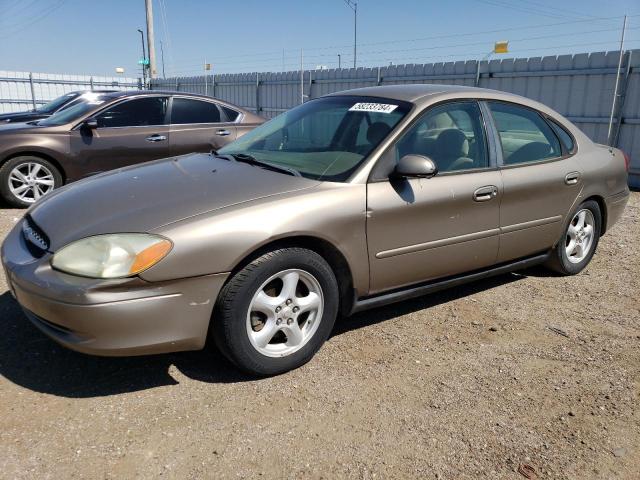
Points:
[(218, 241)]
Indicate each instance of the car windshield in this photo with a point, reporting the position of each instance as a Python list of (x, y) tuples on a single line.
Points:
[(72, 113), (56, 103), (326, 139)]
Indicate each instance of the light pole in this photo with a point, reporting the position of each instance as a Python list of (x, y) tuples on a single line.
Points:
[(339, 61), (144, 59), (353, 5), (162, 56)]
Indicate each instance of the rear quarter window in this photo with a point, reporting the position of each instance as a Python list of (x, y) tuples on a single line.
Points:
[(565, 137)]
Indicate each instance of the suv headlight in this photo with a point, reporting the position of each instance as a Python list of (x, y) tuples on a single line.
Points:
[(112, 256)]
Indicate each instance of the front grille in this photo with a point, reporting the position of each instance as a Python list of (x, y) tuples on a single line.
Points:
[(37, 240)]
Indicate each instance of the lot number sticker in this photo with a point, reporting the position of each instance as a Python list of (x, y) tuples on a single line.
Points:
[(373, 107)]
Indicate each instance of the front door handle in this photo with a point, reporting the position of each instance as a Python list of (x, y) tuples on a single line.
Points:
[(572, 178), (484, 194), (156, 138), (223, 133)]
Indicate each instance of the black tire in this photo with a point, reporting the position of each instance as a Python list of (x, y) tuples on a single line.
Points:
[(229, 323), (5, 182), (559, 260)]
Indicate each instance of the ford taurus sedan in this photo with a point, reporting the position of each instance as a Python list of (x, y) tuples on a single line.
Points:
[(110, 131), (347, 202)]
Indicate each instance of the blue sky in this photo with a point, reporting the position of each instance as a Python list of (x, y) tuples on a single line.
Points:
[(94, 37)]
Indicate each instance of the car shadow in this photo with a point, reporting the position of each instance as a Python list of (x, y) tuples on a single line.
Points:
[(30, 359)]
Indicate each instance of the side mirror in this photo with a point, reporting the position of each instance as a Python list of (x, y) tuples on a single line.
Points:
[(415, 166), (90, 123)]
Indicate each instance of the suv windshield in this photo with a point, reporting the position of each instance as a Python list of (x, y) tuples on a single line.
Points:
[(55, 104), (71, 113), (326, 139)]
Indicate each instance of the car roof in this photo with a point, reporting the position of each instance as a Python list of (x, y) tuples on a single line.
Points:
[(138, 93), (422, 94), (409, 92)]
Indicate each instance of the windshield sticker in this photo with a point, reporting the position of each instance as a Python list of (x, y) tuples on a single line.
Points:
[(373, 107)]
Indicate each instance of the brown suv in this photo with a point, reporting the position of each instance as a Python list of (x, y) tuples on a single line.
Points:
[(112, 130)]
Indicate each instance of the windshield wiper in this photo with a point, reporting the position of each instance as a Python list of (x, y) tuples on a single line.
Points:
[(245, 158)]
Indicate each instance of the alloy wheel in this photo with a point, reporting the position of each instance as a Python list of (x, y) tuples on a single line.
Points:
[(30, 181), (580, 236), (285, 313)]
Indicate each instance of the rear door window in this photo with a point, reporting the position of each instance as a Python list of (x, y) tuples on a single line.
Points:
[(188, 110), (524, 135)]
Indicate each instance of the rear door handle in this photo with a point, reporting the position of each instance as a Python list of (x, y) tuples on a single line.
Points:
[(223, 133), (484, 194), (572, 178), (156, 138)]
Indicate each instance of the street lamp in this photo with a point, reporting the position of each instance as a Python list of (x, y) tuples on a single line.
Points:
[(144, 59), (501, 46), (353, 5)]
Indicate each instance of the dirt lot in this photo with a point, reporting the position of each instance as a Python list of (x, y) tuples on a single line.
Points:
[(468, 383)]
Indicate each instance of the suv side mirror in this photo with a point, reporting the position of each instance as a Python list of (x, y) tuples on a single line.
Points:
[(415, 166), (90, 123)]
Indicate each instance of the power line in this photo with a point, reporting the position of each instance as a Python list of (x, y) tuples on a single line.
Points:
[(418, 39), (43, 14), (421, 59), (321, 57)]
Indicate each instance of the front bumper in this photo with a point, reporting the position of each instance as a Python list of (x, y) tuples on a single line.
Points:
[(110, 317)]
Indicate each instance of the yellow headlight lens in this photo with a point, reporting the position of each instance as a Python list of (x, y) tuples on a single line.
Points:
[(112, 256)]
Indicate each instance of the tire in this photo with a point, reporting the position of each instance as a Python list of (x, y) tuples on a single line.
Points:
[(46, 178), (265, 285), (576, 237)]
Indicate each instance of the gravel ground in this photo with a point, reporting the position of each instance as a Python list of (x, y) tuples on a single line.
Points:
[(468, 383)]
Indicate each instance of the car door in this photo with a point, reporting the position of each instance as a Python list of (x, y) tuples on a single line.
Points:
[(198, 125), (541, 180), (423, 229), (128, 132)]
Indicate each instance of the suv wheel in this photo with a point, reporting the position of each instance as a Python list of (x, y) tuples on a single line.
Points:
[(24, 180), (274, 314), (578, 244)]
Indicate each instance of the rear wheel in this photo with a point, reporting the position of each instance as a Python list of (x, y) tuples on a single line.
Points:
[(25, 179), (578, 244), (275, 314)]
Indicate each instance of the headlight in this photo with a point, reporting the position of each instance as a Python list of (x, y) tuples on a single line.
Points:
[(112, 256)]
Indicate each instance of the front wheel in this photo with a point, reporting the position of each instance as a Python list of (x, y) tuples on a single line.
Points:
[(575, 249), (25, 179), (274, 314)]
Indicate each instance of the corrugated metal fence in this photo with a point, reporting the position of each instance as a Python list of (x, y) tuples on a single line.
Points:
[(579, 86), (25, 90)]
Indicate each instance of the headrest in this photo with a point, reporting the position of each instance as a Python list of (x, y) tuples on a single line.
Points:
[(452, 143)]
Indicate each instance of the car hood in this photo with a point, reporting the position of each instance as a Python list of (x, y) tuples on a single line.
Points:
[(18, 127), (21, 117), (148, 196)]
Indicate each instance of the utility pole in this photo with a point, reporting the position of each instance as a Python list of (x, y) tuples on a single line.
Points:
[(353, 5), (151, 39), (615, 90), (144, 58)]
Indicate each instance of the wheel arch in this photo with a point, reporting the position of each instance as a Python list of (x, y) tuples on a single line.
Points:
[(327, 250), (603, 211), (38, 154)]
